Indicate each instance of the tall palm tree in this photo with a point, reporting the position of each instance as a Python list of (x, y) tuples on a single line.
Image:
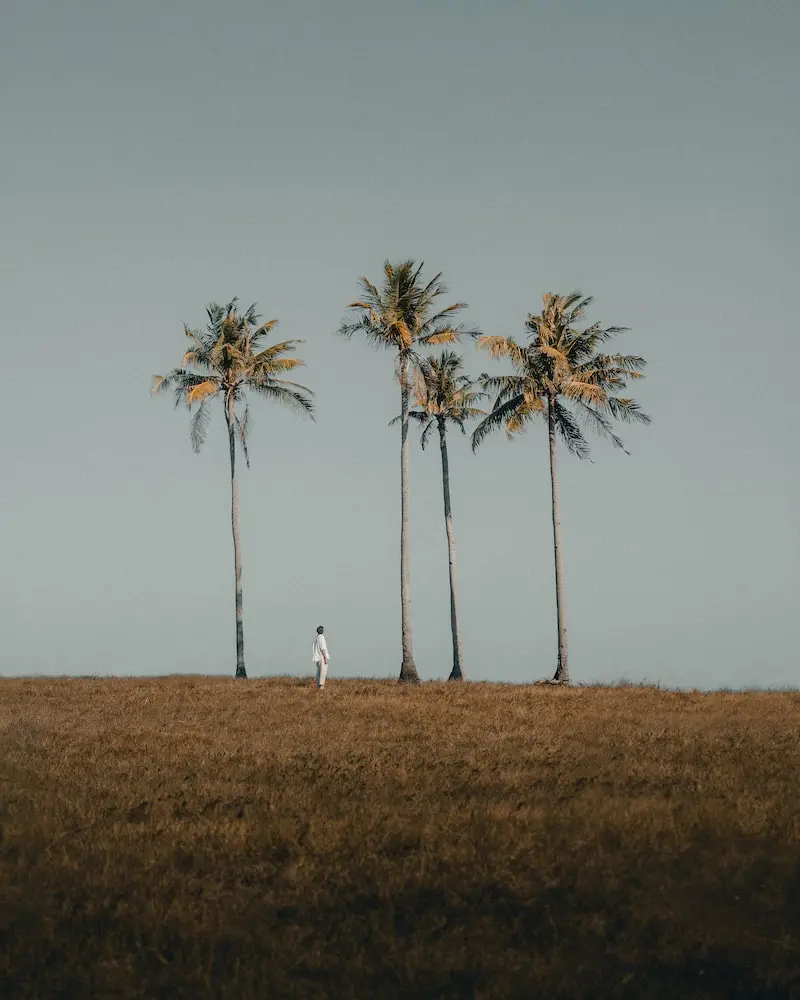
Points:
[(226, 360), (402, 315), (562, 375), (445, 394)]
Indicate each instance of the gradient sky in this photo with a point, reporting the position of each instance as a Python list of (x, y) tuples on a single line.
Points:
[(156, 156)]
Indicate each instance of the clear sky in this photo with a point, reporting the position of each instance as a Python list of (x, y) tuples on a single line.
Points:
[(156, 156)]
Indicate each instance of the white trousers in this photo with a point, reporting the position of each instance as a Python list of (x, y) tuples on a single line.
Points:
[(322, 673)]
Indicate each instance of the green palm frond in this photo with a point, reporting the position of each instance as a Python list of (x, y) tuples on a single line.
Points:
[(290, 394), (426, 432), (498, 417), (570, 432), (631, 364), (504, 385), (261, 331), (627, 410), (419, 415), (198, 425), (599, 423)]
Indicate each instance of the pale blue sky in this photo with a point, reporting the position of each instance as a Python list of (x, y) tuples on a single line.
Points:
[(159, 155)]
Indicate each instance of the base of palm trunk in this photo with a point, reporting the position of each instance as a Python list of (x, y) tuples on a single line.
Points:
[(241, 673), (408, 673), (456, 674), (561, 676)]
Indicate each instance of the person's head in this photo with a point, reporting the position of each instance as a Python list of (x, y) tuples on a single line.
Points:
[(320, 630)]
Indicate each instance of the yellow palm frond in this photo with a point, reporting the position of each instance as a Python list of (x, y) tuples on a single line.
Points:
[(496, 347), (278, 364), (404, 334), (276, 349), (532, 403), (442, 337), (201, 391), (586, 392)]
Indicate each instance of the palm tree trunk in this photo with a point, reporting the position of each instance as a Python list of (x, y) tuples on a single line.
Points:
[(408, 669), (237, 558), (562, 670), (457, 673)]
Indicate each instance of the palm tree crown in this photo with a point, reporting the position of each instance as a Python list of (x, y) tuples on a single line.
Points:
[(444, 393), (227, 358), (403, 314), (564, 368)]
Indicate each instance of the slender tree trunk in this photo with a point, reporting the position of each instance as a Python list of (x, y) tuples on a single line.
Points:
[(562, 670), (237, 558), (457, 673), (408, 669)]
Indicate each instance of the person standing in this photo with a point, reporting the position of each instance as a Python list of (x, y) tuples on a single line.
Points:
[(320, 656)]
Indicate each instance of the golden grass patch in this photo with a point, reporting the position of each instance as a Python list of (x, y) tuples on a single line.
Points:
[(199, 838)]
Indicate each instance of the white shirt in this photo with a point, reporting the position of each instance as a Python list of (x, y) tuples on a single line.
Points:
[(319, 647)]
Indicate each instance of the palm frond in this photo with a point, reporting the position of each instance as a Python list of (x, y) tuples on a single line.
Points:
[(496, 419), (180, 381), (632, 364), (296, 397), (419, 415), (468, 413), (276, 365), (504, 385), (262, 331), (369, 326), (599, 423), (426, 432), (276, 350), (197, 357), (627, 410), (569, 431), (161, 383), (586, 391), (202, 390), (440, 335), (198, 425), (498, 347), (442, 317)]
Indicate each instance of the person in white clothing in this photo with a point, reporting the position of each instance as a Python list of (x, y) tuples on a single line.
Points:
[(320, 656)]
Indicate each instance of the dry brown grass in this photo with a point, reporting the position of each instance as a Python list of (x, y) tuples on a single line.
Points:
[(199, 838)]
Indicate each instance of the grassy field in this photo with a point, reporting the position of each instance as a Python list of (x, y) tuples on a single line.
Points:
[(198, 838)]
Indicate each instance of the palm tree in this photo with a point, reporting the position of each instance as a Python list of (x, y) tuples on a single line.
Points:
[(225, 360), (446, 395), (403, 315), (563, 376)]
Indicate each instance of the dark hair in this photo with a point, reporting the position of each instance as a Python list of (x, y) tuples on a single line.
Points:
[(320, 630)]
